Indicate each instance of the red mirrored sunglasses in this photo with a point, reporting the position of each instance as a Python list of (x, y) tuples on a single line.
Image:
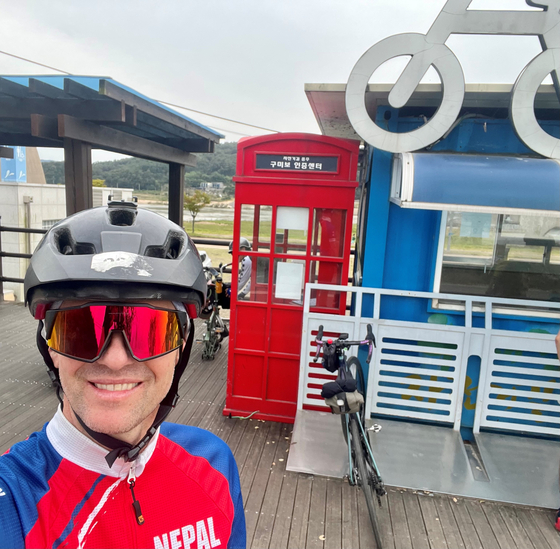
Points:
[(83, 332)]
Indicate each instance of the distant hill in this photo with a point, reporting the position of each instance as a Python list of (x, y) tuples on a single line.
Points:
[(147, 175)]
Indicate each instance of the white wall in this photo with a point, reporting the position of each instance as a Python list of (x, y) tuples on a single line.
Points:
[(49, 204)]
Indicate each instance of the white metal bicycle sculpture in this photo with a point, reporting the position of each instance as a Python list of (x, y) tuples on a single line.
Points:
[(430, 50)]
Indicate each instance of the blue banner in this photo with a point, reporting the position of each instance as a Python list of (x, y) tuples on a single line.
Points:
[(15, 169)]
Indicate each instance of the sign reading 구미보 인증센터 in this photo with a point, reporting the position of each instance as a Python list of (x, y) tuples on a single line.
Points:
[(297, 163)]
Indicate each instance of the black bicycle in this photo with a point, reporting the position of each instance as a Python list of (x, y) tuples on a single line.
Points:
[(218, 295), (345, 396)]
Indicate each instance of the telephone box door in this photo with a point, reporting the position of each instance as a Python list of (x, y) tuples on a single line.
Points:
[(294, 202)]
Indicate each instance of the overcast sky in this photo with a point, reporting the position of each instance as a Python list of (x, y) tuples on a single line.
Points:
[(247, 60)]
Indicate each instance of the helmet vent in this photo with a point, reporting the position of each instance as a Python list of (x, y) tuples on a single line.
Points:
[(171, 248), (123, 217), (68, 246)]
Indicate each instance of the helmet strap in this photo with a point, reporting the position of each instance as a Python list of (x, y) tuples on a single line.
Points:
[(51, 369), (119, 448)]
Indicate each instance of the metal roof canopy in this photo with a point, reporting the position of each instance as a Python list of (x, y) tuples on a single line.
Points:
[(329, 108), (476, 183), (79, 113)]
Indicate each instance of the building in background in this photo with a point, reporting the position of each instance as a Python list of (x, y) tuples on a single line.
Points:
[(27, 201)]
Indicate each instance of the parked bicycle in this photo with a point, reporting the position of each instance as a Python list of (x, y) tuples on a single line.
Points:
[(218, 295), (345, 396)]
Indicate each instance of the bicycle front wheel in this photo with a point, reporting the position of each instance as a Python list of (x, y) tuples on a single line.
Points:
[(453, 85), (363, 476)]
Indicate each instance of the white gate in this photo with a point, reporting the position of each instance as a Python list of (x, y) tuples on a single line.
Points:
[(418, 370)]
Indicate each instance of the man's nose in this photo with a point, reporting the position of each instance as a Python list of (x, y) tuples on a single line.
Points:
[(116, 354)]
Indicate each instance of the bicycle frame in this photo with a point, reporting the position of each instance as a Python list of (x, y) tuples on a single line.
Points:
[(455, 18), (341, 345), (362, 429), (362, 467)]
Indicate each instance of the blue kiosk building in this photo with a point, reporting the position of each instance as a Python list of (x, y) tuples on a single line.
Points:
[(457, 268)]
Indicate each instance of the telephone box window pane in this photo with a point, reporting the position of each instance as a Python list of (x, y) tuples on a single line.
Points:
[(256, 225), (324, 272), (256, 289), (291, 230), (289, 275), (328, 232)]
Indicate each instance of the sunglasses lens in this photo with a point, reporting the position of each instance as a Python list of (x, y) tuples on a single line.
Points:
[(83, 331), (151, 332)]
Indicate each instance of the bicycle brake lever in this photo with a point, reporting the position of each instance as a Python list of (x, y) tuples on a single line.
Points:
[(370, 335), (319, 342), (371, 338)]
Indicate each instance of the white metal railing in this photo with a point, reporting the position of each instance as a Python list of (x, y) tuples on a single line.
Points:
[(419, 369)]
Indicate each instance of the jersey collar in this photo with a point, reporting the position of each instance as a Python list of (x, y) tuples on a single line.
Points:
[(76, 447)]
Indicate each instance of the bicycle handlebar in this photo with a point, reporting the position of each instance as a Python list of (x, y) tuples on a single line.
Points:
[(342, 343)]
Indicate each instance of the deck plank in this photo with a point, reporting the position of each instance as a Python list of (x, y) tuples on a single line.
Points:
[(398, 518), (541, 519), (300, 518), (269, 508), (448, 522), (434, 527), (533, 531), (317, 512), (416, 526), (514, 526), (482, 526), (349, 534), (250, 465), (255, 498), (499, 527), (333, 524), (466, 525), (285, 511), (385, 526), (365, 529)]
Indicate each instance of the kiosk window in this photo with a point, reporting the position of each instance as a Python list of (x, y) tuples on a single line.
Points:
[(256, 225), (499, 255), (291, 230)]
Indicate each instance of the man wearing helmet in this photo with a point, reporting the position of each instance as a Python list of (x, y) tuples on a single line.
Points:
[(245, 265), (114, 290)]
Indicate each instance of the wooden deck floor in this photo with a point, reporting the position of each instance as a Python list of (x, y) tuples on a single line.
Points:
[(283, 509)]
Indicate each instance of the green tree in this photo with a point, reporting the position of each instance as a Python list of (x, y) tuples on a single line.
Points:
[(146, 175), (195, 202), (98, 183)]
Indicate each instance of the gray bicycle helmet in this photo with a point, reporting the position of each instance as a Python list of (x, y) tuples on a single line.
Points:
[(116, 253), (244, 244)]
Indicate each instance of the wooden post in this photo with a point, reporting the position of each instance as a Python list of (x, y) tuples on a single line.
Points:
[(77, 175), (176, 198)]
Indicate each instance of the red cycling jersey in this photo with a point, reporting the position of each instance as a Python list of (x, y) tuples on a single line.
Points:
[(56, 490)]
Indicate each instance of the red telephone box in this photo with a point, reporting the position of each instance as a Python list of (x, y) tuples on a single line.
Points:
[(294, 202)]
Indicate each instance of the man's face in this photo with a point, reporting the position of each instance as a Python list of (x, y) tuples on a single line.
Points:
[(116, 395)]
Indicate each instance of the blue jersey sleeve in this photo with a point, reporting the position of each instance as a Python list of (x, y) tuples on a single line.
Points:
[(11, 530)]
